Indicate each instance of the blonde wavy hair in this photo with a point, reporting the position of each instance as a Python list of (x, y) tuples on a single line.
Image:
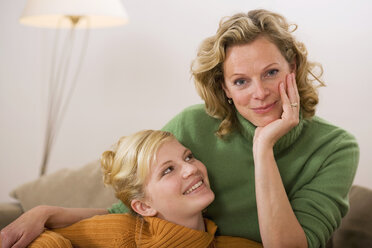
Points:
[(127, 165), (207, 68)]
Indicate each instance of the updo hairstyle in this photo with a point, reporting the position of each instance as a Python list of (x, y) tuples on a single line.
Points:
[(127, 165)]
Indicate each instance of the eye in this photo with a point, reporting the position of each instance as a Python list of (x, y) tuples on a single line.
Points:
[(272, 73), (168, 170), (189, 157), (239, 82)]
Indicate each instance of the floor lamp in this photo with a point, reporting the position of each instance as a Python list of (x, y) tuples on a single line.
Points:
[(70, 15)]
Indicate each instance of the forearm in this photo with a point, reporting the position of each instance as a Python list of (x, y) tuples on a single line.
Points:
[(32, 223), (278, 224), (58, 217)]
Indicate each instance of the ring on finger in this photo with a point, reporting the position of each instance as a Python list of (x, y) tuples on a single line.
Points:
[(294, 105)]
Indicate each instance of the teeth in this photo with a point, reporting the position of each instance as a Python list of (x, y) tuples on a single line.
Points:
[(197, 185)]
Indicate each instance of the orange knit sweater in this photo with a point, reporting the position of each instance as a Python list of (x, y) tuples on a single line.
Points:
[(124, 230)]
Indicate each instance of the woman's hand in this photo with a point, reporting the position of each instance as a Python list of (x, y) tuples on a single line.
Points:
[(278, 224), (25, 229), (271, 133), (22, 231)]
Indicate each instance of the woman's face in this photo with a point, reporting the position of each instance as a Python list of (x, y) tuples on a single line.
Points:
[(178, 186), (252, 74)]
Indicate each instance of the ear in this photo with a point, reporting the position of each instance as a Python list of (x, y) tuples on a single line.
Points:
[(227, 92), (142, 208), (293, 66)]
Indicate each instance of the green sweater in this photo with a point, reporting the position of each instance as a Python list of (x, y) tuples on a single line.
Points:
[(317, 162)]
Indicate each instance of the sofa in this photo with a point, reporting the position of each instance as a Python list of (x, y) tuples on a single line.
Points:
[(83, 187)]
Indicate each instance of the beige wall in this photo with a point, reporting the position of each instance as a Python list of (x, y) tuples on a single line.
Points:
[(137, 77)]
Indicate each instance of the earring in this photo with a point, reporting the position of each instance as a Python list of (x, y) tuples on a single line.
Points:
[(230, 101)]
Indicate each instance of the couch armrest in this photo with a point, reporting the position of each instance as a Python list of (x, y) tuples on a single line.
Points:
[(356, 227), (9, 212)]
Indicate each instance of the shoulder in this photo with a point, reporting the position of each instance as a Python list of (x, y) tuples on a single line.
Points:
[(194, 111), (192, 121), (320, 128), (111, 230), (50, 239), (115, 221), (330, 142)]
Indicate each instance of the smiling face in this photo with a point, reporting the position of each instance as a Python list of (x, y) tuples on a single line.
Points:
[(178, 186), (252, 74)]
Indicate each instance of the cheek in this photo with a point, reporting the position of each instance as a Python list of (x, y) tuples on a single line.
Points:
[(275, 87), (204, 171), (242, 97), (168, 188)]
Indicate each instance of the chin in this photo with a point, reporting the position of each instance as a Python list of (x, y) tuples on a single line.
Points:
[(207, 200), (265, 122)]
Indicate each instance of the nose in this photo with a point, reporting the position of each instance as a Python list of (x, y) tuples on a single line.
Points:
[(259, 90), (188, 170)]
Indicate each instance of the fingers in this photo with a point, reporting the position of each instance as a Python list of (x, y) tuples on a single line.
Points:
[(7, 240), (291, 101), (290, 95), (23, 242), (292, 89), (284, 98)]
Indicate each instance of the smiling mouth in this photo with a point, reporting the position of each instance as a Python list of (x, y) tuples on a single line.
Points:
[(194, 187), (264, 109)]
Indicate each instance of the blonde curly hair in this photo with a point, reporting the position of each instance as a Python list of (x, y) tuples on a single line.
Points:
[(127, 165), (241, 28)]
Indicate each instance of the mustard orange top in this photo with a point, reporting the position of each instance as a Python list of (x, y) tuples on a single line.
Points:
[(124, 230)]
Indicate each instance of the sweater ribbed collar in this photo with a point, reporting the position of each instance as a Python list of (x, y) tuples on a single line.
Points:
[(247, 129), (155, 232)]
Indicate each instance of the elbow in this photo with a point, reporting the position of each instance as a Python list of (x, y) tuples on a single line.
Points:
[(290, 241), (286, 245), (292, 246)]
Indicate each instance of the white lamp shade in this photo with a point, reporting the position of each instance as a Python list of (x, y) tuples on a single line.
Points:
[(51, 13)]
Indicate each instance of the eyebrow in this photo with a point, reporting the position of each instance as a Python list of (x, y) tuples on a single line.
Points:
[(169, 161), (242, 74)]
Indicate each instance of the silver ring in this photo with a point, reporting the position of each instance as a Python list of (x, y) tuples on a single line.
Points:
[(294, 105)]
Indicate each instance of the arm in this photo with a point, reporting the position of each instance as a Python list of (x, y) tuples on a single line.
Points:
[(112, 230), (49, 239), (31, 224), (278, 224), (321, 203)]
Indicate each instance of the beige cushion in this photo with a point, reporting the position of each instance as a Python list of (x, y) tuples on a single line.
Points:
[(8, 213), (82, 187), (356, 227)]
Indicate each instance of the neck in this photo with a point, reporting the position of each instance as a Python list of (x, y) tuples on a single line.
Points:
[(195, 222)]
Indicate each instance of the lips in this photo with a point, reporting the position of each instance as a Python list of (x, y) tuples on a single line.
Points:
[(264, 109), (197, 183)]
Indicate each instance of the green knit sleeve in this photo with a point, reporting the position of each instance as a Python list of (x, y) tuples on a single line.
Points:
[(118, 208), (181, 124), (321, 203)]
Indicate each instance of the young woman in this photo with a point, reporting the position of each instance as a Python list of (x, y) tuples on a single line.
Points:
[(165, 188)]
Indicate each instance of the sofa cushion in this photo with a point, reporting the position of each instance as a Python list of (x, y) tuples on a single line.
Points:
[(356, 227), (9, 212), (82, 187)]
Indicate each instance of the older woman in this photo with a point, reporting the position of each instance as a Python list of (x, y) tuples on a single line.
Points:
[(281, 175)]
